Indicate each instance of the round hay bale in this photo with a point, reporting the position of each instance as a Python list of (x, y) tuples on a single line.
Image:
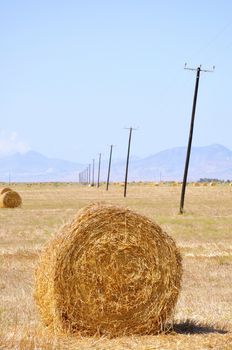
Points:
[(109, 272), (10, 199), (5, 189)]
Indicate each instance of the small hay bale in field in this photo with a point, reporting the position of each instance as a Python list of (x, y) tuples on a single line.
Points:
[(5, 189), (110, 272), (10, 199), (213, 184)]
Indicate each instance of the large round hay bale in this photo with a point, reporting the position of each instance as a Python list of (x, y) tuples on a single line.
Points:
[(5, 189), (110, 272), (10, 199)]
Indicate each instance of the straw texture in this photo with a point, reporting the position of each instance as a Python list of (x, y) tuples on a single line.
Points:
[(110, 272), (10, 199), (5, 189)]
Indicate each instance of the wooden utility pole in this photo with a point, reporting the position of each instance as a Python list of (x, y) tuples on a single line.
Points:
[(127, 160), (86, 175), (93, 173), (89, 174), (99, 169), (198, 70), (109, 166)]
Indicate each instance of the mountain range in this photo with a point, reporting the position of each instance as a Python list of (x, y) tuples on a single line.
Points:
[(214, 161)]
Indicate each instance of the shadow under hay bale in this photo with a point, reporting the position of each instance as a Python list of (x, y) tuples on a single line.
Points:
[(5, 189), (110, 272), (10, 199), (193, 327)]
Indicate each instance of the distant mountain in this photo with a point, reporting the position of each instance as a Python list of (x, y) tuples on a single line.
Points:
[(33, 166), (214, 161)]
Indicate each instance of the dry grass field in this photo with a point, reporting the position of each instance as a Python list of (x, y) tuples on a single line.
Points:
[(203, 317)]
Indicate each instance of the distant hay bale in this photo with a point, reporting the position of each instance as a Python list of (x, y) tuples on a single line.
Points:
[(205, 183), (213, 184), (5, 189), (10, 199), (109, 272), (196, 184)]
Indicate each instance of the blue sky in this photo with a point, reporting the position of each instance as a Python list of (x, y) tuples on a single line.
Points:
[(73, 74)]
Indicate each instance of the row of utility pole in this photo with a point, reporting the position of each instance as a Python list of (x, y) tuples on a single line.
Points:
[(85, 175)]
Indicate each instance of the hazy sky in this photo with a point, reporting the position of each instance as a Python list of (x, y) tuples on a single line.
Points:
[(73, 74)]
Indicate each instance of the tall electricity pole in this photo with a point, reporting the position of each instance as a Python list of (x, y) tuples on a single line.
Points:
[(93, 172), (198, 70), (127, 160), (108, 176), (86, 175), (89, 174), (99, 169)]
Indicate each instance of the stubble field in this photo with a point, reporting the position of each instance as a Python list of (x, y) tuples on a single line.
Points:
[(203, 317)]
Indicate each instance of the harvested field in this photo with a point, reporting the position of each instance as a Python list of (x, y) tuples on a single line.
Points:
[(203, 318)]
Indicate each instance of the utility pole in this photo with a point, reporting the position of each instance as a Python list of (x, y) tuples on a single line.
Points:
[(127, 161), (99, 169), (198, 70), (93, 172), (108, 177), (86, 176), (89, 174)]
